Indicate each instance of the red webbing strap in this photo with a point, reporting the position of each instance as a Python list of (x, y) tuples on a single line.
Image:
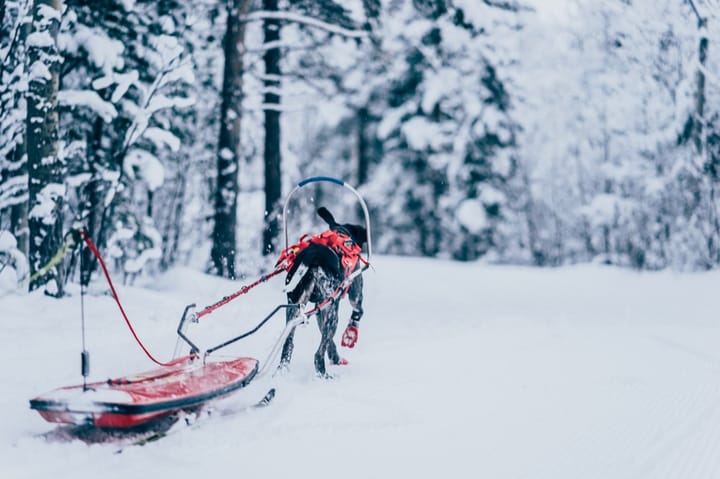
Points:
[(243, 290), (340, 291), (95, 251)]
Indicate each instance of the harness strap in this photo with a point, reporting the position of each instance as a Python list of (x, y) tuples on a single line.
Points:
[(341, 243)]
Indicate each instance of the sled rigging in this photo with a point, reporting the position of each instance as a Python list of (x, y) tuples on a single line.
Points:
[(189, 382)]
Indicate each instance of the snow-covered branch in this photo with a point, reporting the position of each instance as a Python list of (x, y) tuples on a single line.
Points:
[(274, 107), (15, 34), (281, 44), (305, 20), (89, 99), (510, 6), (154, 101), (14, 191)]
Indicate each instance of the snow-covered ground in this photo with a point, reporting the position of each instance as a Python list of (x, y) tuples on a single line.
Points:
[(461, 370)]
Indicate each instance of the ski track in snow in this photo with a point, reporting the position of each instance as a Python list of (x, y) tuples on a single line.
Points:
[(461, 370)]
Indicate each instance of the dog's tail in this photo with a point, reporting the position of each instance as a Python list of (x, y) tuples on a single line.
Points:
[(327, 216), (356, 232)]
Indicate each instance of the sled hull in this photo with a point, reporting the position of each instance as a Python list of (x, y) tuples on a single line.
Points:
[(135, 400)]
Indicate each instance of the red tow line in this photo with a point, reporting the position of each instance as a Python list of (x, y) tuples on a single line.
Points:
[(243, 290), (95, 251)]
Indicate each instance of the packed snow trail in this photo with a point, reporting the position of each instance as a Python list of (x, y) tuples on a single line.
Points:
[(462, 370)]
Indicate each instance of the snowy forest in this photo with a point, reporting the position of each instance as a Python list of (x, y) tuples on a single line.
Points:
[(530, 132)]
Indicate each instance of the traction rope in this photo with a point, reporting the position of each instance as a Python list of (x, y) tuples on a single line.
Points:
[(95, 251), (240, 292)]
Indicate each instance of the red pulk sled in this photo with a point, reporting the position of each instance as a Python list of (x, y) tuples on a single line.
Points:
[(135, 400), (186, 383)]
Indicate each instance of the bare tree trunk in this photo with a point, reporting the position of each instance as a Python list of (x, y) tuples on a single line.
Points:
[(700, 88), (174, 224), (363, 147), (272, 156), (95, 211), (226, 192), (19, 211), (694, 126), (46, 171), (540, 257)]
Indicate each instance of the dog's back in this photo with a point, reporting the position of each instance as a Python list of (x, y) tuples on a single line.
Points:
[(316, 263)]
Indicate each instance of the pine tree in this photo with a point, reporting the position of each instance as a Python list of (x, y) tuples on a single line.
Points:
[(13, 159), (616, 176), (45, 166), (126, 79), (442, 123)]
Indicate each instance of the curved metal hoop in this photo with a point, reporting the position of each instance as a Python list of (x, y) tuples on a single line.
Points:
[(328, 179)]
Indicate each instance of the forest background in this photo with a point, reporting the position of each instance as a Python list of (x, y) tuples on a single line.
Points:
[(516, 132)]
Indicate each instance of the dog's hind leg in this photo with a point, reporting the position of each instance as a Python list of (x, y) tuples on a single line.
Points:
[(300, 296), (332, 350), (328, 326), (320, 353), (332, 323)]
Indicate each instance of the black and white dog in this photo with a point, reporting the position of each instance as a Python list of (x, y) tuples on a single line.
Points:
[(316, 273)]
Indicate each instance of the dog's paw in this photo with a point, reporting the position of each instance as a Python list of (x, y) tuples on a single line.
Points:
[(324, 376), (282, 370)]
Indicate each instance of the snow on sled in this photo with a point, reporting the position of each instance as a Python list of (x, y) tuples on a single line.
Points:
[(185, 384), (135, 400)]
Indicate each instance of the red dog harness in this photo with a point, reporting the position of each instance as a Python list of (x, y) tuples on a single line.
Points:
[(347, 250)]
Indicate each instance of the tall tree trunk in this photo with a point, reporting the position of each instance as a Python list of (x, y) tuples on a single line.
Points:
[(226, 192), (174, 224), (95, 210), (273, 180), (700, 87), (19, 211), (363, 147), (46, 172)]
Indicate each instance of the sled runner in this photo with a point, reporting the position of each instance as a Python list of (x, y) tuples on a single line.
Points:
[(187, 383)]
